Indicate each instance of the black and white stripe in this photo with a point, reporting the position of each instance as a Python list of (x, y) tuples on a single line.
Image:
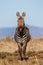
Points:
[(24, 37)]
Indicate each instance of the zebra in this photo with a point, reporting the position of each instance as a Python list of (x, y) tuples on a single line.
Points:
[(22, 35)]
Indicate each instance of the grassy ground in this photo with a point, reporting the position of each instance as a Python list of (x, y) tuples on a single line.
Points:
[(9, 52), (12, 59)]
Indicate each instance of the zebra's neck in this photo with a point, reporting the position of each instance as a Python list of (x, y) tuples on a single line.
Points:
[(21, 29), (21, 33)]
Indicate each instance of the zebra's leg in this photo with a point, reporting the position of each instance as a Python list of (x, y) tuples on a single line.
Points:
[(20, 51), (24, 50)]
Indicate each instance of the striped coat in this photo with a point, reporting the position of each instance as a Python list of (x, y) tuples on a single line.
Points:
[(23, 36), (22, 39)]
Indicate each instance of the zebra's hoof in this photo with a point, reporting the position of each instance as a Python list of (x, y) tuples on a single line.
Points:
[(25, 58), (20, 59)]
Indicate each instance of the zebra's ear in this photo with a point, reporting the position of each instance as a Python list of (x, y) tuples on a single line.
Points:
[(24, 14), (17, 14)]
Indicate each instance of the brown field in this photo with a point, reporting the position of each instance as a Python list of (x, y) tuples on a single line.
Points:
[(9, 52)]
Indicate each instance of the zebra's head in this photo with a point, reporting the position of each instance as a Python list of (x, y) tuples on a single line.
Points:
[(21, 20)]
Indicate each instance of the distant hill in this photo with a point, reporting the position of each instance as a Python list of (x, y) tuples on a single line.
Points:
[(7, 32), (34, 31)]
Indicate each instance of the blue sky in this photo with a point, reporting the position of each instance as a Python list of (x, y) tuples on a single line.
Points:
[(33, 9)]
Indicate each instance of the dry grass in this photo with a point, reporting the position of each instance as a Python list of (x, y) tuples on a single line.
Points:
[(9, 52), (11, 59)]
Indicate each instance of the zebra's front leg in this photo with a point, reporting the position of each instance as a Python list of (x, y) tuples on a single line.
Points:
[(24, 50), (20, 51)]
